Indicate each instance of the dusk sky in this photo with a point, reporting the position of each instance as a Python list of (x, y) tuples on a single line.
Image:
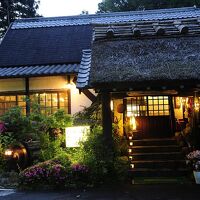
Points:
[(51, 8)]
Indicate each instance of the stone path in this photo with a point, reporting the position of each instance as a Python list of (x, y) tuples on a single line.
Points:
[(6, 192), (132, 192)]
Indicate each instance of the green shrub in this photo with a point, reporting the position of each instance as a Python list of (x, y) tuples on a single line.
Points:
[(17, 124), (50, 147), (103, 161), (80, 176)]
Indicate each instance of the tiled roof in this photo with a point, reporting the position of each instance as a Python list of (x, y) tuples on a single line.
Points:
[(147, 29), (84, 70), (106, 18), (42, 46), (29, 71)]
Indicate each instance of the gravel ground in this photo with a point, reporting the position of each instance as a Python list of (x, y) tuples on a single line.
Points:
[(134, 192)]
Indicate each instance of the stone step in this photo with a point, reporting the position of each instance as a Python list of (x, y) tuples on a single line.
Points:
[(156, 156), (154, 142), (146, 172), (158, 164), (154, 149)]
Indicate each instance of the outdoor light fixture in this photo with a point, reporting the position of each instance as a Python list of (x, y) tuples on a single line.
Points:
[(132, 166), (74, 135), (8, 152), (111, 105), (130, 150), (131, 143), (196, 104), (133, 123)]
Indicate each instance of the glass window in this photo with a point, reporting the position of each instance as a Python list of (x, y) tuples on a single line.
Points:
[(148, 106), (7, 102), (49, 102), (160, 106)]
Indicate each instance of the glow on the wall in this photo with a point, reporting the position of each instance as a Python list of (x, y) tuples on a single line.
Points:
[(74, 135)]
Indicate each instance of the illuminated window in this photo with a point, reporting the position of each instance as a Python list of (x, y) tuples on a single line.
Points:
[(137, 106), (148, 106), (7, 102), (158, 105), (49, 102), (52, 101)]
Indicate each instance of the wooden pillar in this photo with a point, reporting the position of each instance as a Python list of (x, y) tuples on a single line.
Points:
[(196, 122), (107, 118), (172, 115), (27, 92)]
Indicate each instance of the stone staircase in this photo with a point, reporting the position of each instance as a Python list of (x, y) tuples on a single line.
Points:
[(152, 159)]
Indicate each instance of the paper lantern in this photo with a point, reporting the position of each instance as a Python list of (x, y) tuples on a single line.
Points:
[(120, 108)]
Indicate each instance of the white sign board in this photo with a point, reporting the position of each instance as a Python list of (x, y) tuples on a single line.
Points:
[(76, 134)]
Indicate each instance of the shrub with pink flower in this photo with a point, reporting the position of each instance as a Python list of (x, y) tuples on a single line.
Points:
[(2, 127), (194, 160), (80, 175), (49, 174)]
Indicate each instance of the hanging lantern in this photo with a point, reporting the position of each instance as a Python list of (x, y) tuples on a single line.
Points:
[(120, 108)]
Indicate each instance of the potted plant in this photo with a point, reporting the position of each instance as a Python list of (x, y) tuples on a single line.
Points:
[(194, 161)]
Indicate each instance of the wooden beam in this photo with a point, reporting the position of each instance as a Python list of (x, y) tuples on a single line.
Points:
[(107, 118), (89, 95), (27, 93), (172, 115)]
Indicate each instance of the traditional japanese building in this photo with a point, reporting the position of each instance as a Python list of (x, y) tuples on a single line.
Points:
[(148, 70), (144, 64)]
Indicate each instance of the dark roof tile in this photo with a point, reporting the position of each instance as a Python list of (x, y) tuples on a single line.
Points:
[(41, 46), (28, 71)]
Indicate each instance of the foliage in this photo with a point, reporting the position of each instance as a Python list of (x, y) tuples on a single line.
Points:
[(17, 123), (194, 160), (15, 9), (25, 128), (130, 5), (102, 160), (80, 176), (50, 147), (1, 157), (90, 115), (50, 174)]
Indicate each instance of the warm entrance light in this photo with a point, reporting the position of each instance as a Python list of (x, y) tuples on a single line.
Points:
[(76, 134), (70, 86), (111, 105), (133, 123), (8, 152)]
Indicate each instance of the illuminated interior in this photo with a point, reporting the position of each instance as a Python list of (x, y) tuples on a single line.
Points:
[(50, 102), (148, 106)]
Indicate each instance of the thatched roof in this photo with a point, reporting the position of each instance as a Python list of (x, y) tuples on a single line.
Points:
[(136, 61)]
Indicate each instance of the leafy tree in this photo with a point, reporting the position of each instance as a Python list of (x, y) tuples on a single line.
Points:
[(128, 5), (15, 9)]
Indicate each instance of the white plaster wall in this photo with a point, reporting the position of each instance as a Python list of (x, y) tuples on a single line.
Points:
[(48, 83), (79, 101), (15, 84)]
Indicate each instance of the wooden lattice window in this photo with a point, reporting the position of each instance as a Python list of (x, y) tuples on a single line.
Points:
[(158, 105), (148, 106)]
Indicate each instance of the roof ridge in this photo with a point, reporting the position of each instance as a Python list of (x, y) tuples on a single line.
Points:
[(109, 14)]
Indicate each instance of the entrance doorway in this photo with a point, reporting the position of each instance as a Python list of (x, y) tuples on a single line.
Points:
[(149, 115)]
